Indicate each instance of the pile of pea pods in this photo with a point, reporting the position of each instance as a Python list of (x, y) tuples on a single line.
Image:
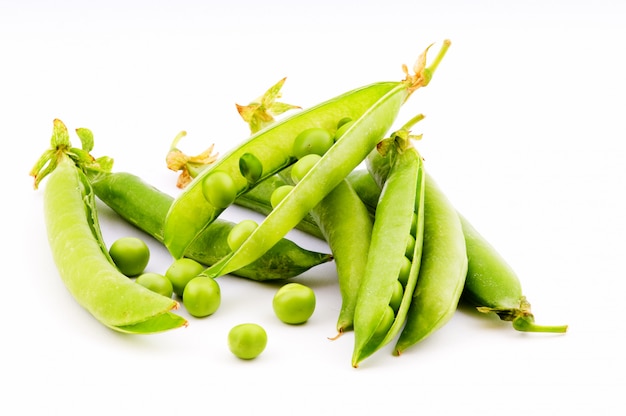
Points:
[(404, 256)]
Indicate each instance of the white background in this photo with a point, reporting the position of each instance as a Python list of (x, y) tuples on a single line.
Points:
[(524, 132)]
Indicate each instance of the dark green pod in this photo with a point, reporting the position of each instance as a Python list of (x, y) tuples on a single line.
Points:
[(145, 207)]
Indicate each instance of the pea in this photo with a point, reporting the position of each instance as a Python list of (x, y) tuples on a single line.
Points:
[(181, 271), (396, 297), (156, 283), (130, 255), (405, 270), (202, 296), (219, 189), (385, 323), (410, 247), (302, 166), (312, 140), (247, 341), (250, 167), (279, 193), (240, 232), (294, 303), (342, 128)]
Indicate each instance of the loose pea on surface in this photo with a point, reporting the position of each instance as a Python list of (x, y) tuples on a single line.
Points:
[(247, 341), (157, 283), (181, 271), (294, 303), (313, 140), (202, 296), (130, 255)]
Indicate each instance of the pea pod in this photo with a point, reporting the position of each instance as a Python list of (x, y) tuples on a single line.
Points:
[(399, 216), (79, 250), (145, 207), (491, 285), (442, 274), (373, 108), (494, 287)]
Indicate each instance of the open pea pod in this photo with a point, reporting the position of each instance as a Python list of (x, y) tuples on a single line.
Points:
[(80, 253), (400, 212), (372, 108)]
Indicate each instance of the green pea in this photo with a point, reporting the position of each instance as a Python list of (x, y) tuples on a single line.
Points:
[(385, 323), (405, 271), (202, 296), (240, 232), (181, 271), (130, 255), (396, 297), (247, 341), (156, 283), (250, 167), (294, 303), (219, 189), (410, 247), (343, 121), (313, 140), (279, 193), (342, 129), (302, 166)]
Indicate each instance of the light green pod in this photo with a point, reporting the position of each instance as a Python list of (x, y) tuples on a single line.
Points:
[(442, 273), (85, 268), (402, 198)]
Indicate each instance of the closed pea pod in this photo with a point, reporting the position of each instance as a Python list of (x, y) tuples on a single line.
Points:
[(493, 286), (145, 207), (372, 108), (79, 253)]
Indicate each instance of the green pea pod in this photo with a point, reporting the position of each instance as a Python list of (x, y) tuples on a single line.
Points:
[(346, 225), (373, 107), (442, 274), (493, 286), (402, 198), (81, 256), (145, 207)]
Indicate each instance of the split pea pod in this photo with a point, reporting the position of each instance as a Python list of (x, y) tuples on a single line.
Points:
[(369, 125), (442, 274), (79, 250), (145, 207), (399, 219), (372, 108)]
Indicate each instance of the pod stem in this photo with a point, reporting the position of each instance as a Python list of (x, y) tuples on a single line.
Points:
[(424, 74), (522, 318)]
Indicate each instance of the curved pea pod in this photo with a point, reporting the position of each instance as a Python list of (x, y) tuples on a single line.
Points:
[(145, 207), (493, 286), (401, 200), (372, 107), (442, 274), (85, 268)]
